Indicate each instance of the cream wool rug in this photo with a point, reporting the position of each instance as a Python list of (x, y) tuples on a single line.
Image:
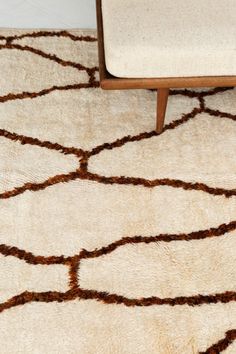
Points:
[(113, 239)]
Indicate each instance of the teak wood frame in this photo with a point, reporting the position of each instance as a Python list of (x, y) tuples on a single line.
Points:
[(162, 85)]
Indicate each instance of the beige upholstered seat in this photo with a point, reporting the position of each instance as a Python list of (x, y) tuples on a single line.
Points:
[(169, 38)]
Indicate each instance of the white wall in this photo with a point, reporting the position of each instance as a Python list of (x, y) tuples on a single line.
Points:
[(47, 13)]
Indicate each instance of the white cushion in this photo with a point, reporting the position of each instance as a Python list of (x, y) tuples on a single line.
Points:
[(169, 38)]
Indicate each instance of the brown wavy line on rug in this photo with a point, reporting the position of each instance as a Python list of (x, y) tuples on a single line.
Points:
[(201, 95), (26, 140), (194, 94), (174, 183), (72, 294), (74, 264), (119, 142), (147, 135), (195, 300), (76, 292), (48, 56), (38, 34), (46, 91), (78, 152), (84, 175), (195, 235), (51, 181), (230, 337), (142, 136), (30, 258), (217, 113)]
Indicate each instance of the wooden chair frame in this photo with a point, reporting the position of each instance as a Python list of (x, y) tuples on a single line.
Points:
[(162, 85)]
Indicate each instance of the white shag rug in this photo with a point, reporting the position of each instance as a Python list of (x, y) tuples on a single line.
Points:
[(112, 239)]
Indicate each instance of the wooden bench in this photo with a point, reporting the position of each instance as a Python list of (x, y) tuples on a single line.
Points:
[(155, 44)]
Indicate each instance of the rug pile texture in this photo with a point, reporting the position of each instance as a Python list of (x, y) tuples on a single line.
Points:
[(112, 239)]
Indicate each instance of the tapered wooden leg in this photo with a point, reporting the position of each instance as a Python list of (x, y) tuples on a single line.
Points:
[(162, 98)]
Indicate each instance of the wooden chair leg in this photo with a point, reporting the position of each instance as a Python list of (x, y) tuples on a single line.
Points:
[(162, 98)]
